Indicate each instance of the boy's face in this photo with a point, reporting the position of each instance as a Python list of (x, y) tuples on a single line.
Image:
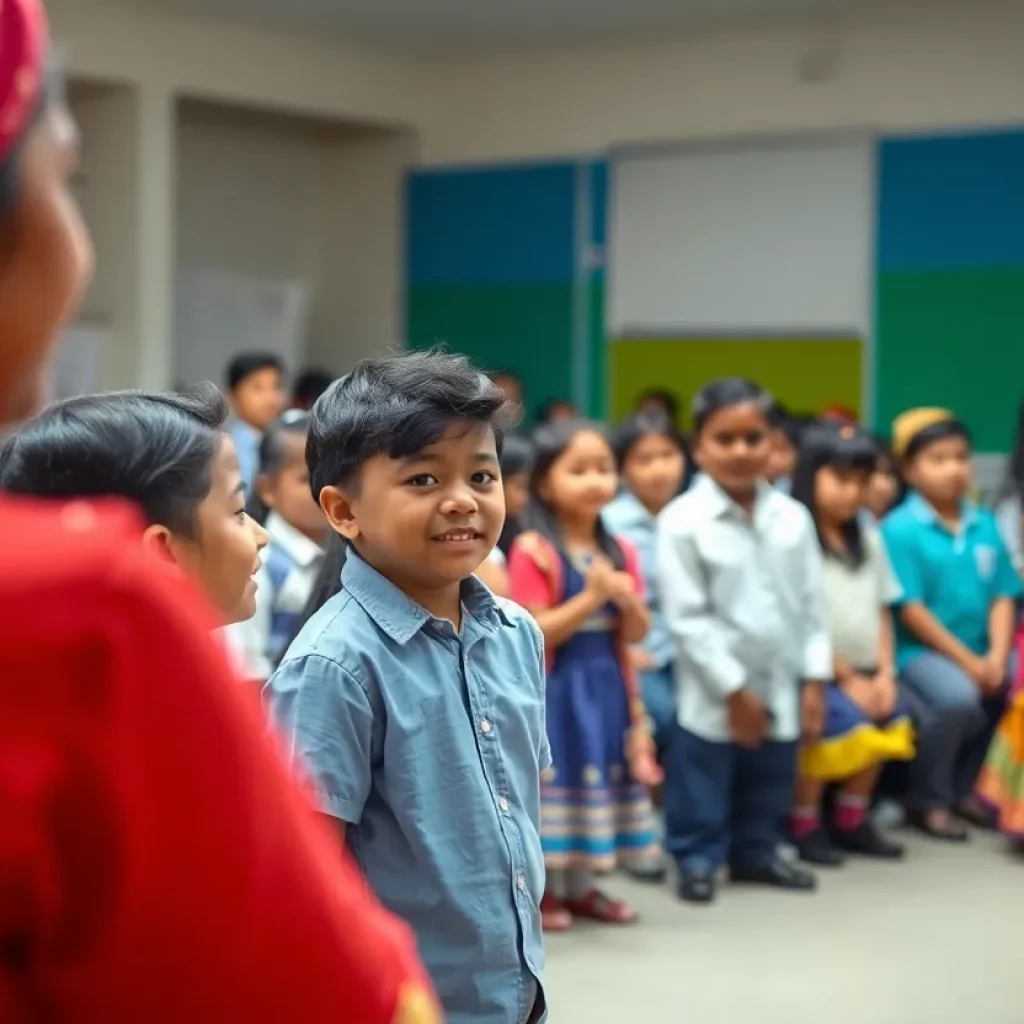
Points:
[(287, 491), (941, 471), (427, 521), (733, 447), (259, 398)]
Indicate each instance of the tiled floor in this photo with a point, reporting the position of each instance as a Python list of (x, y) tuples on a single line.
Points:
[(939, 938)]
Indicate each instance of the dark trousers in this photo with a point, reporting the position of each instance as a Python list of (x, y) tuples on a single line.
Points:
[(726, 803)]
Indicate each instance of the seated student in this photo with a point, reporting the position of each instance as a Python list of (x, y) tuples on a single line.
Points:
[(955, 619), (516, 464), (255, 387), (297, 528), (865, 726), (168, 454), (740, 574), (412, 697), (652, 467), (1009, 509)]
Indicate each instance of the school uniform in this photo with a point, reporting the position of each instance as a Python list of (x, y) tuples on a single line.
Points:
[(291, 562), (742, 599), (957, 576), (247, 440), (429, 745), (627, 517)]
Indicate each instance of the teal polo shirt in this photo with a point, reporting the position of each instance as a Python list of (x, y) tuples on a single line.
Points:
[(956, 576)]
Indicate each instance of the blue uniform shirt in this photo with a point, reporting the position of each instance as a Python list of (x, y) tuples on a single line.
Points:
[(430, 746), (247, 441), (956, 576), (627, 517)]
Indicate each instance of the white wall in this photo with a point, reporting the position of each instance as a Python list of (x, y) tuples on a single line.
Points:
[(921, 66)]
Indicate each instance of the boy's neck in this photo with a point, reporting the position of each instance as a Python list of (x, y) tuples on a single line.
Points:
[(948, 511), (745, 497), (833, 533), (442, 604)]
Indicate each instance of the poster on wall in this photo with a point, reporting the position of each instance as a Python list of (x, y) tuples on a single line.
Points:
[(219, 315)]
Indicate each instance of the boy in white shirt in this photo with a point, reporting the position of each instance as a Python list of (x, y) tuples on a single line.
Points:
[(740, 575)]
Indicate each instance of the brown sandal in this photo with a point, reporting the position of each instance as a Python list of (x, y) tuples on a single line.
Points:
[(554, 915), (596, 906)]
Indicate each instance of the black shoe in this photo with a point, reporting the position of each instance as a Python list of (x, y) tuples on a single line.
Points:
[(816, 848), (696, 888), (779, 873), (948, 832), (649, 874), (866, 840)]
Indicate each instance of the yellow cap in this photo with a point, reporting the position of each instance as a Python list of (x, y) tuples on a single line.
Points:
[(909, 424)]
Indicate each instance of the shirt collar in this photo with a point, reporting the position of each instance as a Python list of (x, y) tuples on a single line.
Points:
[(399, 615), (297, 546), (925, 513), (239, 428), (722, 506)]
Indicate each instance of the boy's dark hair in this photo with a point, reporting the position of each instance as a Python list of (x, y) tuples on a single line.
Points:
[(394, 406), (155, 449), (548, 407), (245, 364), (309, 386), (935, 432), (668, 400), (841, 446), (550, 444), (635, 428), (729, 391), (291, 423)]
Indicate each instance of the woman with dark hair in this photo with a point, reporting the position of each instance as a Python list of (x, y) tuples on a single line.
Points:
[(156, 862)]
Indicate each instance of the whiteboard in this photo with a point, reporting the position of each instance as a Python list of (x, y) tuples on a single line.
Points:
[(218, 315), (767, 237)]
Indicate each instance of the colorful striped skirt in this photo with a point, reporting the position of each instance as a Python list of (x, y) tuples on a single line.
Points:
[(852, 742), (1001, 782)]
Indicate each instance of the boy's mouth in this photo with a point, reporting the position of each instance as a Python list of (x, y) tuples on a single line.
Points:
[(462, 535)]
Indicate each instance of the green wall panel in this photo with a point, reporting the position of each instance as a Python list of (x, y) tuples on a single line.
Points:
[(525, 328), (953, 338)]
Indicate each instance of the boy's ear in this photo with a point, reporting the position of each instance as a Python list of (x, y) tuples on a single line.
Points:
[(338, 509)]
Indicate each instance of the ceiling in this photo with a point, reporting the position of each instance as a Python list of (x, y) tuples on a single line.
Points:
[(504, 24)]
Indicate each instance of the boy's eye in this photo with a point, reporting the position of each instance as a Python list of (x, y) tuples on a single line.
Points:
[(240, 514), (485, 476), (422, 480)]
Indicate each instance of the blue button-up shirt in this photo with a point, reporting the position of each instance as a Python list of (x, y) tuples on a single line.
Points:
[(247, 441), (629, 518), (956, 576), (430, 744)]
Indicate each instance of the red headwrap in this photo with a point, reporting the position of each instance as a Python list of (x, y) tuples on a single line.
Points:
[(22, 52)]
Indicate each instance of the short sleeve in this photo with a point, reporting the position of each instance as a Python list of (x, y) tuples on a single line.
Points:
[(1006, 582), (905, 559), (528, 583), (326, 721)]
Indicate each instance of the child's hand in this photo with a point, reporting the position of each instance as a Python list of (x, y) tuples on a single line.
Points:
[(600, 581), (640, 753), (885, 694), (812, 712), (994, 675), (863, 692), (640, 660), (623, 588), (748, 719)]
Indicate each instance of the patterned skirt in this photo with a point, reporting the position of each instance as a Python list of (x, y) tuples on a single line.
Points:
[(1001, 782), (852, 742), (593, 815)]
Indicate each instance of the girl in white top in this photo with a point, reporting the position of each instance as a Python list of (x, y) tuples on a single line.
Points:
[(864, 723)]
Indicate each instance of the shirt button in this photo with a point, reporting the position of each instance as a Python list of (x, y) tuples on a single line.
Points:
[(503, 804), (485, 727), (521, 883)]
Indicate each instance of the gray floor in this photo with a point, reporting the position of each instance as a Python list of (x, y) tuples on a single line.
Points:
[(938, 938)]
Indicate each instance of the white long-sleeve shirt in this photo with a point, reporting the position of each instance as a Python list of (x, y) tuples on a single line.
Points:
[(743, 600)]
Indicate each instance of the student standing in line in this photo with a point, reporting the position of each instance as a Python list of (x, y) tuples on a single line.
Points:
[(1009, 509), (585, 589), (156, 863), (865, 725), (297, 531), (255, 388), (516, 463), (652, 466), (955, 620), (412, 697), (740, 575)]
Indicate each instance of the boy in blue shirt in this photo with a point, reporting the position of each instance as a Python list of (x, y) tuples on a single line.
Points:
[(414, 698), (955, 620)]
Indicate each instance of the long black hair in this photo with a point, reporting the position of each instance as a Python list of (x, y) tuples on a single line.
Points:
[(291, 423), (516, 457), (394, 406), (155, 449), (841, 446), (550, 443)]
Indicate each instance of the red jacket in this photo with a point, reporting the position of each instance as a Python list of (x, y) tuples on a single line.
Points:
[(156, 862)]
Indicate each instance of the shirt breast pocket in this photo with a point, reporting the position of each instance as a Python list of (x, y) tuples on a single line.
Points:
[(985, 561)]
